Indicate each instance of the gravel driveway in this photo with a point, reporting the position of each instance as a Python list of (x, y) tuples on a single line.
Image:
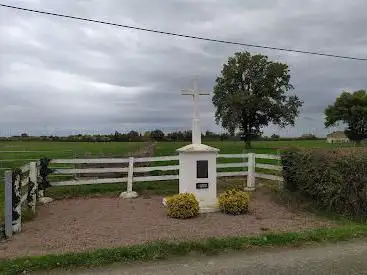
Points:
[(85, 224)]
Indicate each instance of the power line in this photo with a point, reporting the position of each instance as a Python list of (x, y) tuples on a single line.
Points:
[(183, 35)]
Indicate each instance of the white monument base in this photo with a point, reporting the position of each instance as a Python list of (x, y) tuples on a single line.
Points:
[(129, 195), (208, 209), (202, 209)]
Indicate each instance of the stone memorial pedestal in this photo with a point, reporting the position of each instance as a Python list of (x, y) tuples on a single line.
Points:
[(198, 174)]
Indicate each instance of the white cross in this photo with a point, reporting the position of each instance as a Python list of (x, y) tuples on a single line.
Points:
[(195, 93)]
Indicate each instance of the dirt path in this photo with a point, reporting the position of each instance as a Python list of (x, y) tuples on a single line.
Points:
[(87, 224), (146, 151)]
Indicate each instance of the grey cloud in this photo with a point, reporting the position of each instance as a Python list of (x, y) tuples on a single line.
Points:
[(63, 76)]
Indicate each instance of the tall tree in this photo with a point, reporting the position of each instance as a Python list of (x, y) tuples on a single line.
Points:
[(251, 93), (350, 109), (157, 135)]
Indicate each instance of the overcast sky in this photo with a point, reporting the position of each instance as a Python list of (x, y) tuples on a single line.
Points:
[(60, 76)]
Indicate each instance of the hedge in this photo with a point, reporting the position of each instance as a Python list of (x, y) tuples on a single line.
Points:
[(336, 180)]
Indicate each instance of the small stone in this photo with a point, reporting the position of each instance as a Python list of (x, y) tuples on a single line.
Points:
[(164, 202), (45, 200)]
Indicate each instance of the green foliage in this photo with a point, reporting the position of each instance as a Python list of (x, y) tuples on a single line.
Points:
[(157, 135), (351, 109), (31, 191), (44, 172), (234, 202), (335, 179), (162, 249), (251, 92), (182, 206), (17, 177)]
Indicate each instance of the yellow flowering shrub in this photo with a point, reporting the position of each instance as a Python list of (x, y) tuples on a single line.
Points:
[(234, 202), (182, 206)]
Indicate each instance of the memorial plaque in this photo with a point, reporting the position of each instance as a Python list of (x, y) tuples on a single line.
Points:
[(202, 169), (202, 185)]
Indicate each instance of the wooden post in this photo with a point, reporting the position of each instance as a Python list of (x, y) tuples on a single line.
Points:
[(33, 179), (130, 175), (251, 171), (280, 182), (8, 207), (129, 193)]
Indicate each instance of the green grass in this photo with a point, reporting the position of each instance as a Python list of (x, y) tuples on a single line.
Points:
[(161, 188), (63, 150), (113, 189), (238, 147), (165, 249)]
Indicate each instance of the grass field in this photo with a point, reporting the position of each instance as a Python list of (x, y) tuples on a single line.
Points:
[(237, 147), (23, 152), (35, 150)]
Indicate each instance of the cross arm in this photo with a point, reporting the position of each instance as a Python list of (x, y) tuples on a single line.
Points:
[(187, 92)]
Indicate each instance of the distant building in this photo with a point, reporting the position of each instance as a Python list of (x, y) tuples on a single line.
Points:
[(337, 137)]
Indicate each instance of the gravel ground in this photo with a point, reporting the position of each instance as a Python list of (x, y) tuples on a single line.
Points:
[(85, 224)]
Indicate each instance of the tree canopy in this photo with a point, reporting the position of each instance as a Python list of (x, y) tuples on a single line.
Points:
[(251, 93), (157, 134), (350, 109)]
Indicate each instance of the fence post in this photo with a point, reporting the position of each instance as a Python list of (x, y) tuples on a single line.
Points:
[(8, 207), (280, 183), (129, 193), (251, 171), (130, 175), (33, 191)]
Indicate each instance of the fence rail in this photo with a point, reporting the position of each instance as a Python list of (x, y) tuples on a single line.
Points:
[(88, 181), (268, 166), (231, 156), (132, 170)]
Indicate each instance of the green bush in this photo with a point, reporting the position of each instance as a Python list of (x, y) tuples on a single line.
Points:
[(182, 206), (234, 202), (335, 179)]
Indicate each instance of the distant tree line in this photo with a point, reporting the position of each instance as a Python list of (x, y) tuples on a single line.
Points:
[(156, 135)]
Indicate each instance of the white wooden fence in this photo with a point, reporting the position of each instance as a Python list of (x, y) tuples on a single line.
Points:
[(133, 175), (132, 172)]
